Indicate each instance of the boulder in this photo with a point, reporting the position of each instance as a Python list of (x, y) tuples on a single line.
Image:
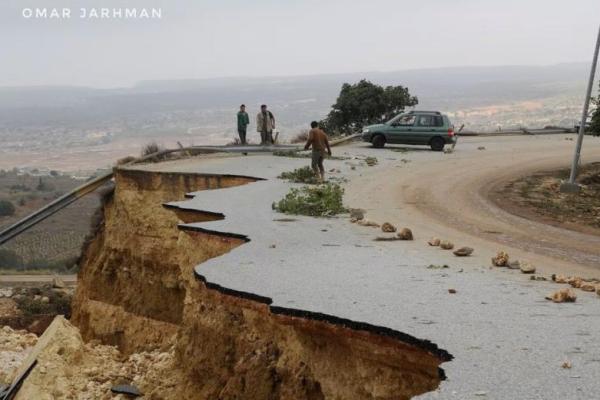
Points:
[(388, 228), (434, 241), (501, 259), (516, 264), (588, 287), (446, 245), (366, 222), (463, 252), (357, 213), (405, 234), (527, 268), (563, 296)]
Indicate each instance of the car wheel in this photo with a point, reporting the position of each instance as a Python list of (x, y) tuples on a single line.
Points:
[(378, 141), (437, 144)]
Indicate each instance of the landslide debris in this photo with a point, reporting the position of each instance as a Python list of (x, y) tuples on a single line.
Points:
[(15, 345), (68, 368)]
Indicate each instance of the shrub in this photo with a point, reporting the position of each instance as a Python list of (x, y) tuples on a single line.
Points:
[(300, 175), (151, 148), (300, 137), (6, 208), (320, 201)]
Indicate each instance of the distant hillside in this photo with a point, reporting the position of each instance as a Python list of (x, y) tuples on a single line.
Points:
[(158, 108)]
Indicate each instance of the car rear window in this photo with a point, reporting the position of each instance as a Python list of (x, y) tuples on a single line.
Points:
[(430, 120)]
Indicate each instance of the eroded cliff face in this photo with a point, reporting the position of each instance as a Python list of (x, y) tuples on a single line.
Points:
[(138, 290)]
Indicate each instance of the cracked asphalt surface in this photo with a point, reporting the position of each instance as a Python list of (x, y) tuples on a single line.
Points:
[(507, 340)]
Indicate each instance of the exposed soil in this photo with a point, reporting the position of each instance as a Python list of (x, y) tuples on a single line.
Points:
[(137, 290), (538, 196)]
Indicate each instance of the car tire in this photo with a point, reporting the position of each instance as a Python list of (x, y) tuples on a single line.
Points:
[(437, 144), (378, 141)]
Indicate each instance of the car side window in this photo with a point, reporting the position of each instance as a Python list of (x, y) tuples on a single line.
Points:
[(430, 120), (406, 120)]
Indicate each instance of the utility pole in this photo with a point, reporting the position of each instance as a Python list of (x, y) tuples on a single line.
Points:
[(571, 186)]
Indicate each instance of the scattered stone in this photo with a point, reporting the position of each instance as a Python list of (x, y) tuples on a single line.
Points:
[(559, 278), (501, 259), (575, 282), (272, 246), (527, 268), (598, 291), (7, 292), (366, 222), (446, 245), (388, 228), (538, 278), (45, 299), (452, 291), (481, 148), (481, 393), (434, 266), (567, 365), (563, 296), (405, 234), (434, 241), (386, 238), (516, 264), (357, 213), (463, 252), (37, 297), (58, 283), (588, 287)]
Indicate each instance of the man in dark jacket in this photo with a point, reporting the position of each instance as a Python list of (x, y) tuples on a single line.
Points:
[(242, 123)]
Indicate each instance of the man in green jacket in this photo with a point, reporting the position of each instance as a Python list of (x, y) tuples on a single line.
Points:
[(242, 123)]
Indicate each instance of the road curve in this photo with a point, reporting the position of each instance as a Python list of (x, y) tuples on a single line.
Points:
[(448, 196)]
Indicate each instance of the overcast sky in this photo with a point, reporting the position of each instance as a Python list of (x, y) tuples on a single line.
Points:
[(219, 38)]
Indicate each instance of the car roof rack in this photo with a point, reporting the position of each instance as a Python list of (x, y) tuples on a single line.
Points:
[(424, 112)]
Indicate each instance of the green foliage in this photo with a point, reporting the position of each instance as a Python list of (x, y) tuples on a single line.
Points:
[(320, 201), (595, 123), (300, 175), (10, 259), (365, 103), (7, 208)]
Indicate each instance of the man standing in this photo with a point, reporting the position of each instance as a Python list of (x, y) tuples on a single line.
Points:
[(320, 143), (242, 123), (265, 123)]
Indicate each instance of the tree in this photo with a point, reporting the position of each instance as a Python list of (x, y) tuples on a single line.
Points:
[(6, 208), (595, 123), (365, 103)]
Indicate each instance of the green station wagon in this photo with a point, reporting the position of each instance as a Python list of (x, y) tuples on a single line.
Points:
[(430, 128)]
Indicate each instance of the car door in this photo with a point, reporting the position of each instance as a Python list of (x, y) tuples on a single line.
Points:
[(426, 127), (401, 130)]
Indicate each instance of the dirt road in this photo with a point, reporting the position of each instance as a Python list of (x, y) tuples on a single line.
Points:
[(448, 196), (25, 280)]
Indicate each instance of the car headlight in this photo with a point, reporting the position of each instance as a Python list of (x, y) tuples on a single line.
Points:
[(366, 130)]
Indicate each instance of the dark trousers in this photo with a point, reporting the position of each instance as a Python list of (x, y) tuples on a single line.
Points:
[(266, 137), (317, 162), (242, 133)]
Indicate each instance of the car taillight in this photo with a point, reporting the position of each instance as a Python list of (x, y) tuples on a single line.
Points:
[(450, 132)]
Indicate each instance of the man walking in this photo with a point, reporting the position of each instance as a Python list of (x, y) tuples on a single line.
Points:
[(320, 143), (242, 123), (265, 123)]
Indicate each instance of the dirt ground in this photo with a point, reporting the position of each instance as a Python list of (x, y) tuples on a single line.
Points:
[(538, 196)]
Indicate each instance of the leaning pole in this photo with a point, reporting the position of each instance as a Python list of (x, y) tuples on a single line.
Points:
[(571, 186)]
